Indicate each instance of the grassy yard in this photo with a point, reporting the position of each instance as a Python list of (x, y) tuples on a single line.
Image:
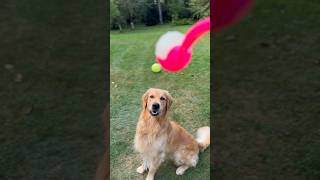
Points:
[(132, 54), (53, 89), (267, 92)]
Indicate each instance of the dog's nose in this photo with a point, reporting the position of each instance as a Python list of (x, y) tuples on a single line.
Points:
[(155, 106)]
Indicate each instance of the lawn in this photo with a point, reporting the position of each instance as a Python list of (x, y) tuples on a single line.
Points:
[(132, 54), (53, 89), (267, 92)]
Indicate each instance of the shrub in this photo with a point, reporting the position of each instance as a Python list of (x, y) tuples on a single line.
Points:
[(184, 21)]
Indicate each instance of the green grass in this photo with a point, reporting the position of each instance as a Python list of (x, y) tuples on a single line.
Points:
[(132, 54), (59, 49), (267, 91)]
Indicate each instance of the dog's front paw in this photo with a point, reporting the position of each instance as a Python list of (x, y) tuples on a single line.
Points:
[(141, 169), (180, 170), (150, 177)]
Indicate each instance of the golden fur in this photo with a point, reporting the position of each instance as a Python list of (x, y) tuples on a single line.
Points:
[(157, 138)]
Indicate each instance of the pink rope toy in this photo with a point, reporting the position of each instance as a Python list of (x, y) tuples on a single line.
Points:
[(174, 49)]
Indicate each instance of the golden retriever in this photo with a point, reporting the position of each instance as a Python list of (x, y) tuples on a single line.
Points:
[(158, 138)]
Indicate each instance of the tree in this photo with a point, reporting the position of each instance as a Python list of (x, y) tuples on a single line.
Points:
[(148, 12), (128, 10), (158, 2), (200, 8), (179, 9), (175, 7), (115, 17)]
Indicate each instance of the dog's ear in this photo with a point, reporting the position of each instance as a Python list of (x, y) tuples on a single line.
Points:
[(145, 99), (169, 100)]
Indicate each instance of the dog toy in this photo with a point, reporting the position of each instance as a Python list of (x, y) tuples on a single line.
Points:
[(174, 49), (156, 68)]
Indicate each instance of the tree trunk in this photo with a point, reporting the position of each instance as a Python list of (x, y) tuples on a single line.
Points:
[(132, 25), (120, 27), (160, 12)]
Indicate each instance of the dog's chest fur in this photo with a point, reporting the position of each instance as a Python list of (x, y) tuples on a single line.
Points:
[(151, 137)]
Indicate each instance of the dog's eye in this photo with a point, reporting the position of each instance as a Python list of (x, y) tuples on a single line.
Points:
[(162, 98), (151, 96)]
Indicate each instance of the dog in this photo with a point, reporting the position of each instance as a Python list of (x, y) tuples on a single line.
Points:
[(157, 138)]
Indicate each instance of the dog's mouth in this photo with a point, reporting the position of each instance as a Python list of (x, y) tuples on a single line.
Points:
[(154, 113)]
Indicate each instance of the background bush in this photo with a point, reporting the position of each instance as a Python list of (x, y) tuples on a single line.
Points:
[(184, 21)]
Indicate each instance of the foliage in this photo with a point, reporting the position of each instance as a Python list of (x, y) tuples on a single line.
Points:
[(126, 12), (128, 9), (179, 9), (200, 8), (114, 13), (151, 16), (184, 21)]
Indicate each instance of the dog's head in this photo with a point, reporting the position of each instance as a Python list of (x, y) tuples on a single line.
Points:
[(157, 102)]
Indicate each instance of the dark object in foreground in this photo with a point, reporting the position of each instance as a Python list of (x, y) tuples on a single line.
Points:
[(103, 170)]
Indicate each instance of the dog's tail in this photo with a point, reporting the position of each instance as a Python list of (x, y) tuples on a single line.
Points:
[(203, 137)]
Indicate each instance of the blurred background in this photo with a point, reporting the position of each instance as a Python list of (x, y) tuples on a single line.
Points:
[(266, 91), (53, 81)]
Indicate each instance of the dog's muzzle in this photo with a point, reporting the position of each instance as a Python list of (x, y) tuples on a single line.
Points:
[(155, 109)]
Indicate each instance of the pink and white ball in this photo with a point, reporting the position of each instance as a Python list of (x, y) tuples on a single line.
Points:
[(167, 42)]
